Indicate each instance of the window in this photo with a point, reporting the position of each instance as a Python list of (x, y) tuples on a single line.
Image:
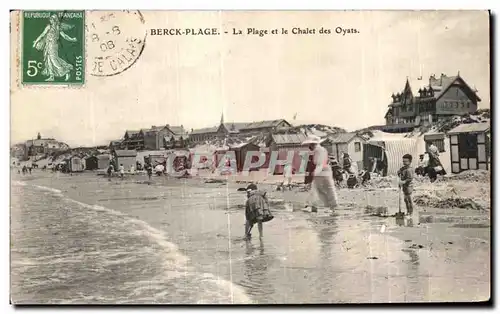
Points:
[(467, 145), (357, 147), (439, 144)]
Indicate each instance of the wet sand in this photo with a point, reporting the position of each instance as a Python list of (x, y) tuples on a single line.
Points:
[(303, 257)]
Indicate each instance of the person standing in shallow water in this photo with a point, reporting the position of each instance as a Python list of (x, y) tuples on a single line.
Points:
[(322, 176), (256, 210)]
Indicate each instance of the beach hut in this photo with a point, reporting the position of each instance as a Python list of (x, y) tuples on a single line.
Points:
[(220, 154), (75, 164), (202, 156), (178, 160), (350, 143), (469, 147), (103, 161), (156, 159), (241, 150), (91, 163), (127, 158), (282, 144)]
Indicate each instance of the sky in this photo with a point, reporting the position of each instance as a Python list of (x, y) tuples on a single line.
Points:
[(344, 81)]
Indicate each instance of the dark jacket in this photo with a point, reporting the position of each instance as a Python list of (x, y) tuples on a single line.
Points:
[(309, 170), (257, 207)]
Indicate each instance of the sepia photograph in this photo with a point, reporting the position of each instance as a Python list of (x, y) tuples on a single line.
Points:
[(250, 157)]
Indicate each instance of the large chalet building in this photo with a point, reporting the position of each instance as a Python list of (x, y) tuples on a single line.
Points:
[(441, 98), (228, 129)]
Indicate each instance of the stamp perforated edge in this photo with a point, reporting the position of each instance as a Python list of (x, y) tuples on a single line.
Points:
[(18, 62)]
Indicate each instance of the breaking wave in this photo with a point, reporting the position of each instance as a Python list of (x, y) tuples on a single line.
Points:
[(130, 261)]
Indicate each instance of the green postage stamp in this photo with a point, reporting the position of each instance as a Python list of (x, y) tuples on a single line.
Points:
[(53, 47)]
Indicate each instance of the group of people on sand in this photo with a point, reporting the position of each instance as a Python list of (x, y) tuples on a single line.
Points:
[(121, 171), (320, 179), (25, 169), (345, 171)]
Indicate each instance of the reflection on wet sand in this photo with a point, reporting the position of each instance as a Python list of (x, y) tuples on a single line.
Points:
[(256, 273), (414, 285)]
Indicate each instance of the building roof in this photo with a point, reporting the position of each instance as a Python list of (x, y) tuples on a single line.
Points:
[(156, 128), (438, 84), (389, 111), (234, 126), (471, 128), (447, 82), (283, 139), (132, 133), (126, 153), (342, 137), (263, 124), (176, 129), (102, 156), (212, 129), (434, 136)]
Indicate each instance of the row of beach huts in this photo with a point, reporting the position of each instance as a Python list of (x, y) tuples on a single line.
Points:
[(465, 147)]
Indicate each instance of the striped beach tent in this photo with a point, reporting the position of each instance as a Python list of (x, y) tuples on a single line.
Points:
[(395, 148)]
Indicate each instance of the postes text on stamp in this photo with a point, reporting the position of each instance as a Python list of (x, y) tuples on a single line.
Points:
[(116, 40), (53, 47)]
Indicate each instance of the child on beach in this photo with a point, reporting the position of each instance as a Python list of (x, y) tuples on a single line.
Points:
[(122, 170), (110, 171), (256, 210), (149, 170), (405, 175)]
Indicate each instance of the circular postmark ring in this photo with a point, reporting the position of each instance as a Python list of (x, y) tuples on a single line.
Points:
[(115, 40)]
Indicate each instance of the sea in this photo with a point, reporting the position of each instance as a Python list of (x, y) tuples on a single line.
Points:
[(81, 239)]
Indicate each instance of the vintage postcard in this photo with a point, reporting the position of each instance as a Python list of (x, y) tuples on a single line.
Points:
[(250, 157)]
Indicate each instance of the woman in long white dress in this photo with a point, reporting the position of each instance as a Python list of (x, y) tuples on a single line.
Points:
[(323, 185), (48, 42)]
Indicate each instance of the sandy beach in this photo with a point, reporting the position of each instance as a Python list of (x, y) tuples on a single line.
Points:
[(180, 241)]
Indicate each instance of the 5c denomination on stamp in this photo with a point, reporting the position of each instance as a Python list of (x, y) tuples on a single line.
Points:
[(53, 47), (116, 40)]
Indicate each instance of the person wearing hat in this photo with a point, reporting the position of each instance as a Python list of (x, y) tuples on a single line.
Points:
[(256, 210), (322, 176)]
